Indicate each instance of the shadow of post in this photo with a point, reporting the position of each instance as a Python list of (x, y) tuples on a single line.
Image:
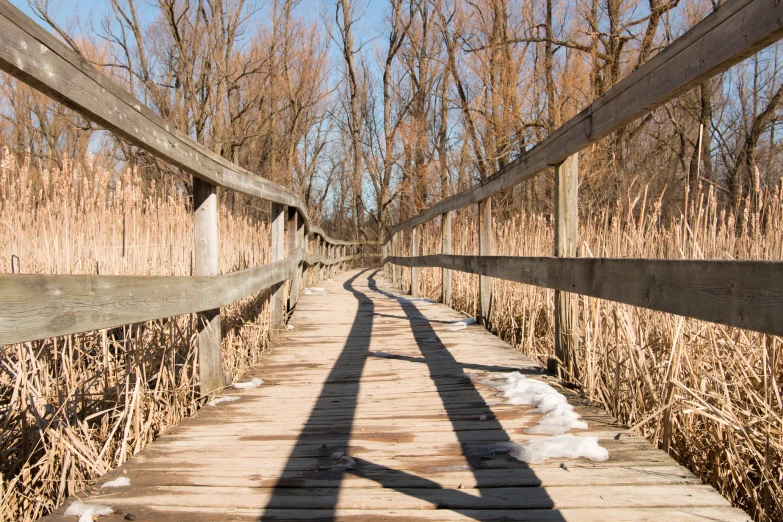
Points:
[(466, 405), (345, 376)]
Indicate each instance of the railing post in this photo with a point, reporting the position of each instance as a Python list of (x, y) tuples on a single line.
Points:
[(485, 249), (277, 297), (329, 256), (394, 254), (566, 240), (293, 244), (205, 228), (445, 238), (415, 253), (301, 241)]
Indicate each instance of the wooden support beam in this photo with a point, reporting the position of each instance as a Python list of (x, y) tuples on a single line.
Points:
[(445, 248), (277, 297), (206, 250), (293, 243), (745, 294), (414, 253), (395, 253), (35, 306), (485, 249), (330, 255), (302, 242), (566, 240)]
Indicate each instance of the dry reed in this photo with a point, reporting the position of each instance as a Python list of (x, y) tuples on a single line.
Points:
[(709, 394), (75, 407)]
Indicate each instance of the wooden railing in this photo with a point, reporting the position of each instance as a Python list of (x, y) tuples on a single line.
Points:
[(745, 294), (36, 307)]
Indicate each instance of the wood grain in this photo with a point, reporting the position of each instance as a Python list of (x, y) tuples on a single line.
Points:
[(412, 425), (745, 294)]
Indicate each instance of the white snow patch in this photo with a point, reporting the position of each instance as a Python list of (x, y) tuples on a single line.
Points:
[(483, 417), (459, 325), (289, 327), (119, 482), (316, 290), (85, 512), (540, 450), (221, 400), (380, 354), (559, 416), (255, 382)]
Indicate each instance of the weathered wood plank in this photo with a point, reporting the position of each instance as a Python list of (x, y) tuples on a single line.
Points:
[(445, 237), (414, 426), (736, 30), (206, 259), (42, 306), (485, 249), (745, 294), (277, 251), (566, 241)]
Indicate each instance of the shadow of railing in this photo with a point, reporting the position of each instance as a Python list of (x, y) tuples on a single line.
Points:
[(461, 405)]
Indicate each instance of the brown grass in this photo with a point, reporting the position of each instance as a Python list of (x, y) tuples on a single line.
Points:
[(712, 394), (73, 408)]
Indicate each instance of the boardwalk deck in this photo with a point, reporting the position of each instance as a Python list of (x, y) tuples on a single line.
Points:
[(413, 427)]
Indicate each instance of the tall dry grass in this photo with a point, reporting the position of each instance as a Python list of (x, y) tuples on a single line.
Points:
[(709, 394), (73, 408)]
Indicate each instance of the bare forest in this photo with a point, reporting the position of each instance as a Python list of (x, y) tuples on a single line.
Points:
[(374, 110)]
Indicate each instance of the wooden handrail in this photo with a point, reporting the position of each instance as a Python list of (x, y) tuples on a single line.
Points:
[(736, 30), (36, 57), (744, 294), (35, 306)]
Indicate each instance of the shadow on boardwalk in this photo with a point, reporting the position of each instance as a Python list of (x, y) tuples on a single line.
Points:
[(346, 374)]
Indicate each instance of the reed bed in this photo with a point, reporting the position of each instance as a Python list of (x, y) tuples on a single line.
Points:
[(710, 395), (72, 408)]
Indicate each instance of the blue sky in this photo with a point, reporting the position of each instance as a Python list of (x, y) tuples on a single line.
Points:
[(73, 13)]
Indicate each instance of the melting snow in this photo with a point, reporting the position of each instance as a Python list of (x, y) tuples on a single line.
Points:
[(380, 354), (559, 416), (540, 450), (117, 483), (220, 400), (255, 382), (459, 325), (289, 326), (85, 512), (316, 290)]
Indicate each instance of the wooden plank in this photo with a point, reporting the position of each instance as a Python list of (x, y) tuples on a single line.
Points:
[(485, 249), (294, 237), (445, 238), (37, 58), (414, 270), (41, 306), (745, 294), (734, 31), (277, 253), (414, 426), (206, 258), (566, 240)]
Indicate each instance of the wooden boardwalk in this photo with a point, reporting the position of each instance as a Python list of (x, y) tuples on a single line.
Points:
[(340, 432)]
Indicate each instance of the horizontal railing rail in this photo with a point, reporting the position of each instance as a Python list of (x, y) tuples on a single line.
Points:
[(745, 294), (36, 307)]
